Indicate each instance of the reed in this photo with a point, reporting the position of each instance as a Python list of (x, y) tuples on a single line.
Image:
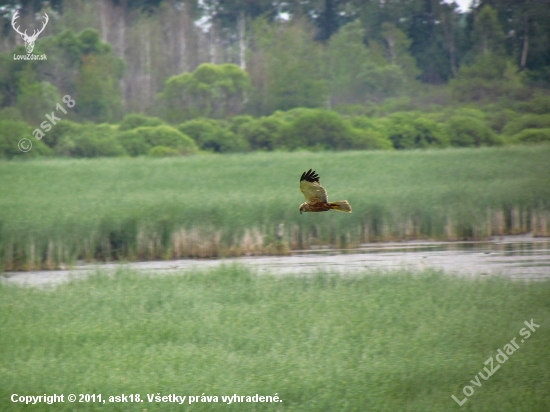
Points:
[(363, 342), (55, 212)]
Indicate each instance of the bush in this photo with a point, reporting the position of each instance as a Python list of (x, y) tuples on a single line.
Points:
[(539, 104), (319, 129), (141, 140), (11, 132), (370, 140), (470, 132), (213, 136), (370, 134), (499, 119), (163, 151), (263, 133), (528, 121), (532, 136), (135, 120), (406, 131), (61, 129), (237, 121), (90, 140)]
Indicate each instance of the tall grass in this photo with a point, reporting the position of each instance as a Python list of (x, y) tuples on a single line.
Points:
[(59, 211), (378, 342)]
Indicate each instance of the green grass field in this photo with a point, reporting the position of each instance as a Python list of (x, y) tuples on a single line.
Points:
[(378, 342), (59, 210)]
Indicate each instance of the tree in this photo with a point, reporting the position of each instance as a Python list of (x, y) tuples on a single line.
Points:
[(347, 57), (288, 70), (491, 75), (97, 89), (210, 91), (488, 34), (35, 99)]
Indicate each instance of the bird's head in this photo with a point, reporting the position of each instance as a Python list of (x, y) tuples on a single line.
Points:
[(303, 208)]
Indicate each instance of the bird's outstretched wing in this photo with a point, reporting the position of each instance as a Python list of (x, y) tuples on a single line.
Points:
[(312, 189)]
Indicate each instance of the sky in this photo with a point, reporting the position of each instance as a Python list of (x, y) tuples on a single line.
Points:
[(464, 5)]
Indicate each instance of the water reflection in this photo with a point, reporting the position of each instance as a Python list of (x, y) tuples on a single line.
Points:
[(517, 257)]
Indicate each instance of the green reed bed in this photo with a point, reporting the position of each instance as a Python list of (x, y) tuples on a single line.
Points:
[(58, 211), (373, 342)]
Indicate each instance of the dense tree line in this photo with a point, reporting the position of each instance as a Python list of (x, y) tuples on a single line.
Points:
[(204, 68)]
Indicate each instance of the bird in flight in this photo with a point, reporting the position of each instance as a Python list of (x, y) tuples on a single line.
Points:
[(316, 196)]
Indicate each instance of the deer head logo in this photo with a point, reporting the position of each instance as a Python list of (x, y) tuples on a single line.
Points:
[(29, 40)]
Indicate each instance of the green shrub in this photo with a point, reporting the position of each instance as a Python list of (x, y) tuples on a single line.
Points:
[(237, 121), (90, 140), (470, 132), (371, 139), (319, 129), (61, 129), (135, 120), (499, 119), (527, 121), (539, 104), (212, 135), (406, 131), (263, 133), (11, 132), (11, 113), (532, 136), (141, 140), (370, 134), (163, 151)]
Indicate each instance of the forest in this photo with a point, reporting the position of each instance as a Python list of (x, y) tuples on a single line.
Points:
[(169, 78)]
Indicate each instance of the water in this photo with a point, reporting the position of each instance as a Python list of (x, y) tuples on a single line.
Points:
[(516, 257)]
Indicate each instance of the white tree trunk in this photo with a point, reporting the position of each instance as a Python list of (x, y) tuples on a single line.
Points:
[(241, 27)]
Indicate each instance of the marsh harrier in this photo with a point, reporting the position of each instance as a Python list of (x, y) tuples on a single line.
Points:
[(316, 195)]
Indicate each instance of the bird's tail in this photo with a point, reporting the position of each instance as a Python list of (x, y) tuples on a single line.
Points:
[(341, 206)]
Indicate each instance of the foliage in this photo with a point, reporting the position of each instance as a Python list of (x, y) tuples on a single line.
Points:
[(291, 64), (79, 65), (61, 129), (407, 131), (134, 120), (11, 132), (347, 56), (318, 129), (210, 91), (163, 151), (487, 32), (532, 136), (527, 121), (263, 133), (89, 140), (141, 140), (211, 135), (35, 99), (470, 132), (490, 78)]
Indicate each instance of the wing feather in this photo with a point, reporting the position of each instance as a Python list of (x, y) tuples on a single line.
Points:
[(312, 189)]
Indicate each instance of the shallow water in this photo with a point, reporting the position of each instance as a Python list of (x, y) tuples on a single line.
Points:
[(516, 257)]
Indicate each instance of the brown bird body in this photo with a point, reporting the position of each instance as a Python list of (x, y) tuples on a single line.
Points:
[(316, 195)]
